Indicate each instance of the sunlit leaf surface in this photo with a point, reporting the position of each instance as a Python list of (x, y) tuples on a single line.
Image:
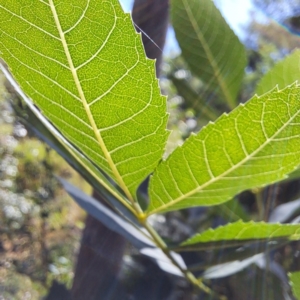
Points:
[(257, 144), (44, 130), (84, 66)]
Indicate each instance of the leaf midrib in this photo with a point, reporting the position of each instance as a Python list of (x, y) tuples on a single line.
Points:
[(209, 55), (86, 105), (215, 179), (75, 154)]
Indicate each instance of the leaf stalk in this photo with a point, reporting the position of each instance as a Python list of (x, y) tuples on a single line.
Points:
[(185, 272)]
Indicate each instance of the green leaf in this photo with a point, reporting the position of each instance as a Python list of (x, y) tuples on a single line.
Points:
[(193, 99), (34, 120), (209, 46), (84, 66), (295, 283), (239, 251), (231, 211), (294, 175), (108, 217), (246, 231), (256, 144), (233, 247), (284, 73)]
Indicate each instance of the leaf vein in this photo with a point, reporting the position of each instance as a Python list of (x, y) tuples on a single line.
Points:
[(131, 117), (174, 182), (217, 72), (240, 138), (45, 76), (222, 176), (114, 84), (102, 46), (61, 107), (29, 23), (207, 161), (79, 20), (86, 106)]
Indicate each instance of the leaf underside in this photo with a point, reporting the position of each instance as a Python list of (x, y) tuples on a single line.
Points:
[(84, 66), (45, 130), (246, 231), (209, 46), (282, 74), (255, 145)]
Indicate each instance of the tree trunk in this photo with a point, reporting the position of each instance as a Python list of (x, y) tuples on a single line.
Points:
[(99, 261)]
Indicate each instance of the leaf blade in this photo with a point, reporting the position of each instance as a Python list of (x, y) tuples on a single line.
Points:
[(232, 154), (91, 79), (282, 74), (49, 134), (246, 231), (201, 32), (295, 283), (193, 100)]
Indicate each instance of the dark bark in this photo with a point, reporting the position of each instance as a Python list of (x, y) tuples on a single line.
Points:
[(152, 16), (58, 292), (99, 261)]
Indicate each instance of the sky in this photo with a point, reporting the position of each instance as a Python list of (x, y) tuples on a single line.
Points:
[(236, 13)]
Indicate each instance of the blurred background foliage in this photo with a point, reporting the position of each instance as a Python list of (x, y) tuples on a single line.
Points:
[(40, 226)]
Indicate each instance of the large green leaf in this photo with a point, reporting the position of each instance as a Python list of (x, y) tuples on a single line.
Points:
[(284, 73), (209, 46), (295, 283), (193, 100), (256, 144), (84, 66), (34, 120), (246, 231), (231, 211)]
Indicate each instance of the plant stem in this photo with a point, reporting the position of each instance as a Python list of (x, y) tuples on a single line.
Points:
[(260, 203), (187, 274), (272, 192)]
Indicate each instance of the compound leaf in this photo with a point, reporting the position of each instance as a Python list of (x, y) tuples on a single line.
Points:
[(84, 66), (282, 74), (255, 145)]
